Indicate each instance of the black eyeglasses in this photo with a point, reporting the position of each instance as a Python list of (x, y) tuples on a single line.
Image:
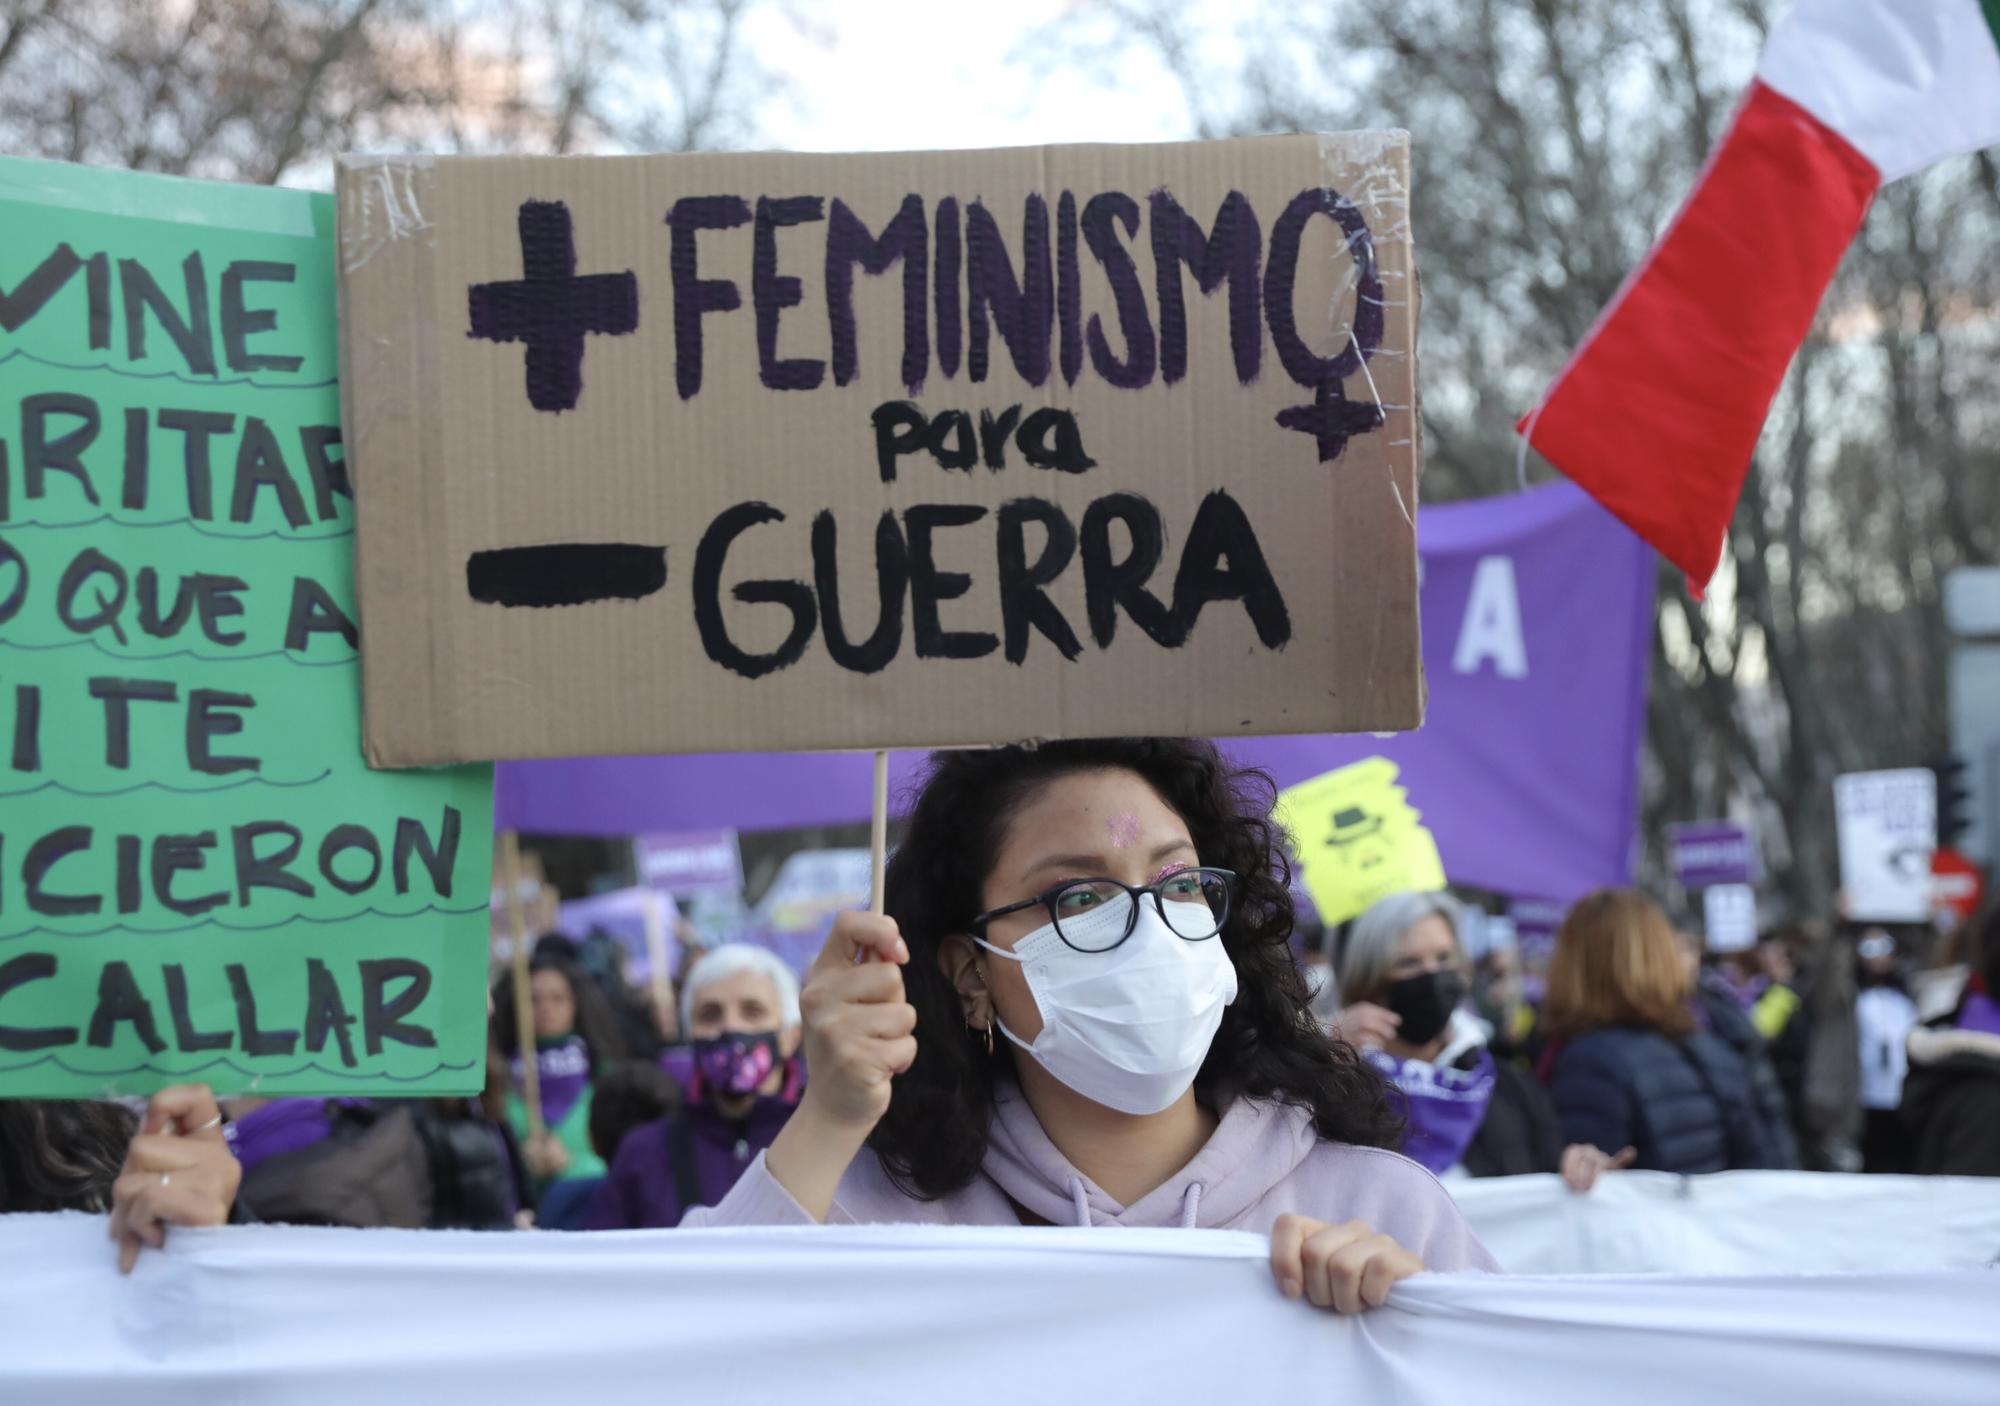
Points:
[(1096, 915)]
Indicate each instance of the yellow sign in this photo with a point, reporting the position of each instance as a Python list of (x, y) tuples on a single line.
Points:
[(1357, 839)]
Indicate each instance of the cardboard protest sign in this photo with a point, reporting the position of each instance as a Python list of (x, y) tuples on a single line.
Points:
[(1357, 839), (1729, 917), (686, 862), (697, 453), (1887, 827), (1710, 852), (199, 877)]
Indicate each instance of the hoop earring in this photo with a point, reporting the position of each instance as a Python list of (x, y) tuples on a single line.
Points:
[(991, 1017)]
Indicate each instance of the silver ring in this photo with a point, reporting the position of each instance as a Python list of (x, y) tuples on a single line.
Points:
[(166, 1180), (214, 1122)]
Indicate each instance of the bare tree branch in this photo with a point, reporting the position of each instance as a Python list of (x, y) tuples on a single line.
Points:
[(258, 89)]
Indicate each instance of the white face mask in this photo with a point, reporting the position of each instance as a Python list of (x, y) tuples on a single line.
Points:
[(1127, 1028)]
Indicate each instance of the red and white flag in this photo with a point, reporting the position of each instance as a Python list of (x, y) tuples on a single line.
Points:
[(1658, 411)]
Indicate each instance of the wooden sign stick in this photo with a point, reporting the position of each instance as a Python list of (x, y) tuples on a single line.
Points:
[(524, 1001), (659, 978), (878, 833)]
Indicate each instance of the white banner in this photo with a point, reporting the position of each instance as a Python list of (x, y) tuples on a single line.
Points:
[(1736, 1223), (305, 1317)]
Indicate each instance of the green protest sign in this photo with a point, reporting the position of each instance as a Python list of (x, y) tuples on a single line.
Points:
[(199, 877)]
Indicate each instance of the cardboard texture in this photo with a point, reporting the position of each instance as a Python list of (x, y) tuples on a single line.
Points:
[(199, 877), (695, 453)]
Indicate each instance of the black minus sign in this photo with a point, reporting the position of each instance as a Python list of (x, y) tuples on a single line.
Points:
[(565, 573)]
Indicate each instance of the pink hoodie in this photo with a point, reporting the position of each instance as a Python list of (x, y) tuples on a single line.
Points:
[(1265, 1159)]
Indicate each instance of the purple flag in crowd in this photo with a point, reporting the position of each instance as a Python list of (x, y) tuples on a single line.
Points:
[(564, 1068), (1444, 1105)]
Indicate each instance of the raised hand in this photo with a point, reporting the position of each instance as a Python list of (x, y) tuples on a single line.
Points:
[(859, 1029), (859, 1034), (1366, 1025)]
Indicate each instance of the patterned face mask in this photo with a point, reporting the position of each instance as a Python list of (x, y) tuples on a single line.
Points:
[(737, 1063)]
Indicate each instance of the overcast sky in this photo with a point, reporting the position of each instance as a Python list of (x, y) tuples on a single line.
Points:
[(887, 75)]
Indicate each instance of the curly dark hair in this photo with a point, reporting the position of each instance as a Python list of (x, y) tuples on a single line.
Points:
[(933, 1138), (595, 1020), (61, 1156)]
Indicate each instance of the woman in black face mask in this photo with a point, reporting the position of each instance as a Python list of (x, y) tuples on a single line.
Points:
[(1402, 973)]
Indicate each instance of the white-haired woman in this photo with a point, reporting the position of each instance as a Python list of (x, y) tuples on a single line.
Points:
[(1402, 973), (740, 1009)]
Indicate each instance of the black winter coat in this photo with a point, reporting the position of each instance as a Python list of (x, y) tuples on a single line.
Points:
[(370, 1171), (409, 1164), (1951, 1102), (1520, 1134), (1767, 1093), (477, 1175), (1684, 1105)]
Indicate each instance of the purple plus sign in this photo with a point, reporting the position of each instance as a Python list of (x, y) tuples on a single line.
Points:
[(550, 310)]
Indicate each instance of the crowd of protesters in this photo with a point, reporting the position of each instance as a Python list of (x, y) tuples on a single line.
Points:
[(962, 1068), (1876, 1049)]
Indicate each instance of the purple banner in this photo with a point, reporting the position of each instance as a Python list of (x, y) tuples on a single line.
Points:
[(1711, 852), (1537, 625)]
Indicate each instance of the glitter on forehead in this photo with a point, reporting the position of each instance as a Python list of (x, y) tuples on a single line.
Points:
[(1123, 828)]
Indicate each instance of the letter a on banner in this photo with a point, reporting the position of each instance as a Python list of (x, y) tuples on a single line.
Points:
[(1492, 628)]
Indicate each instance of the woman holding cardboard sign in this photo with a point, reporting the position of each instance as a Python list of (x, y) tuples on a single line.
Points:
[(1081, 1008)]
